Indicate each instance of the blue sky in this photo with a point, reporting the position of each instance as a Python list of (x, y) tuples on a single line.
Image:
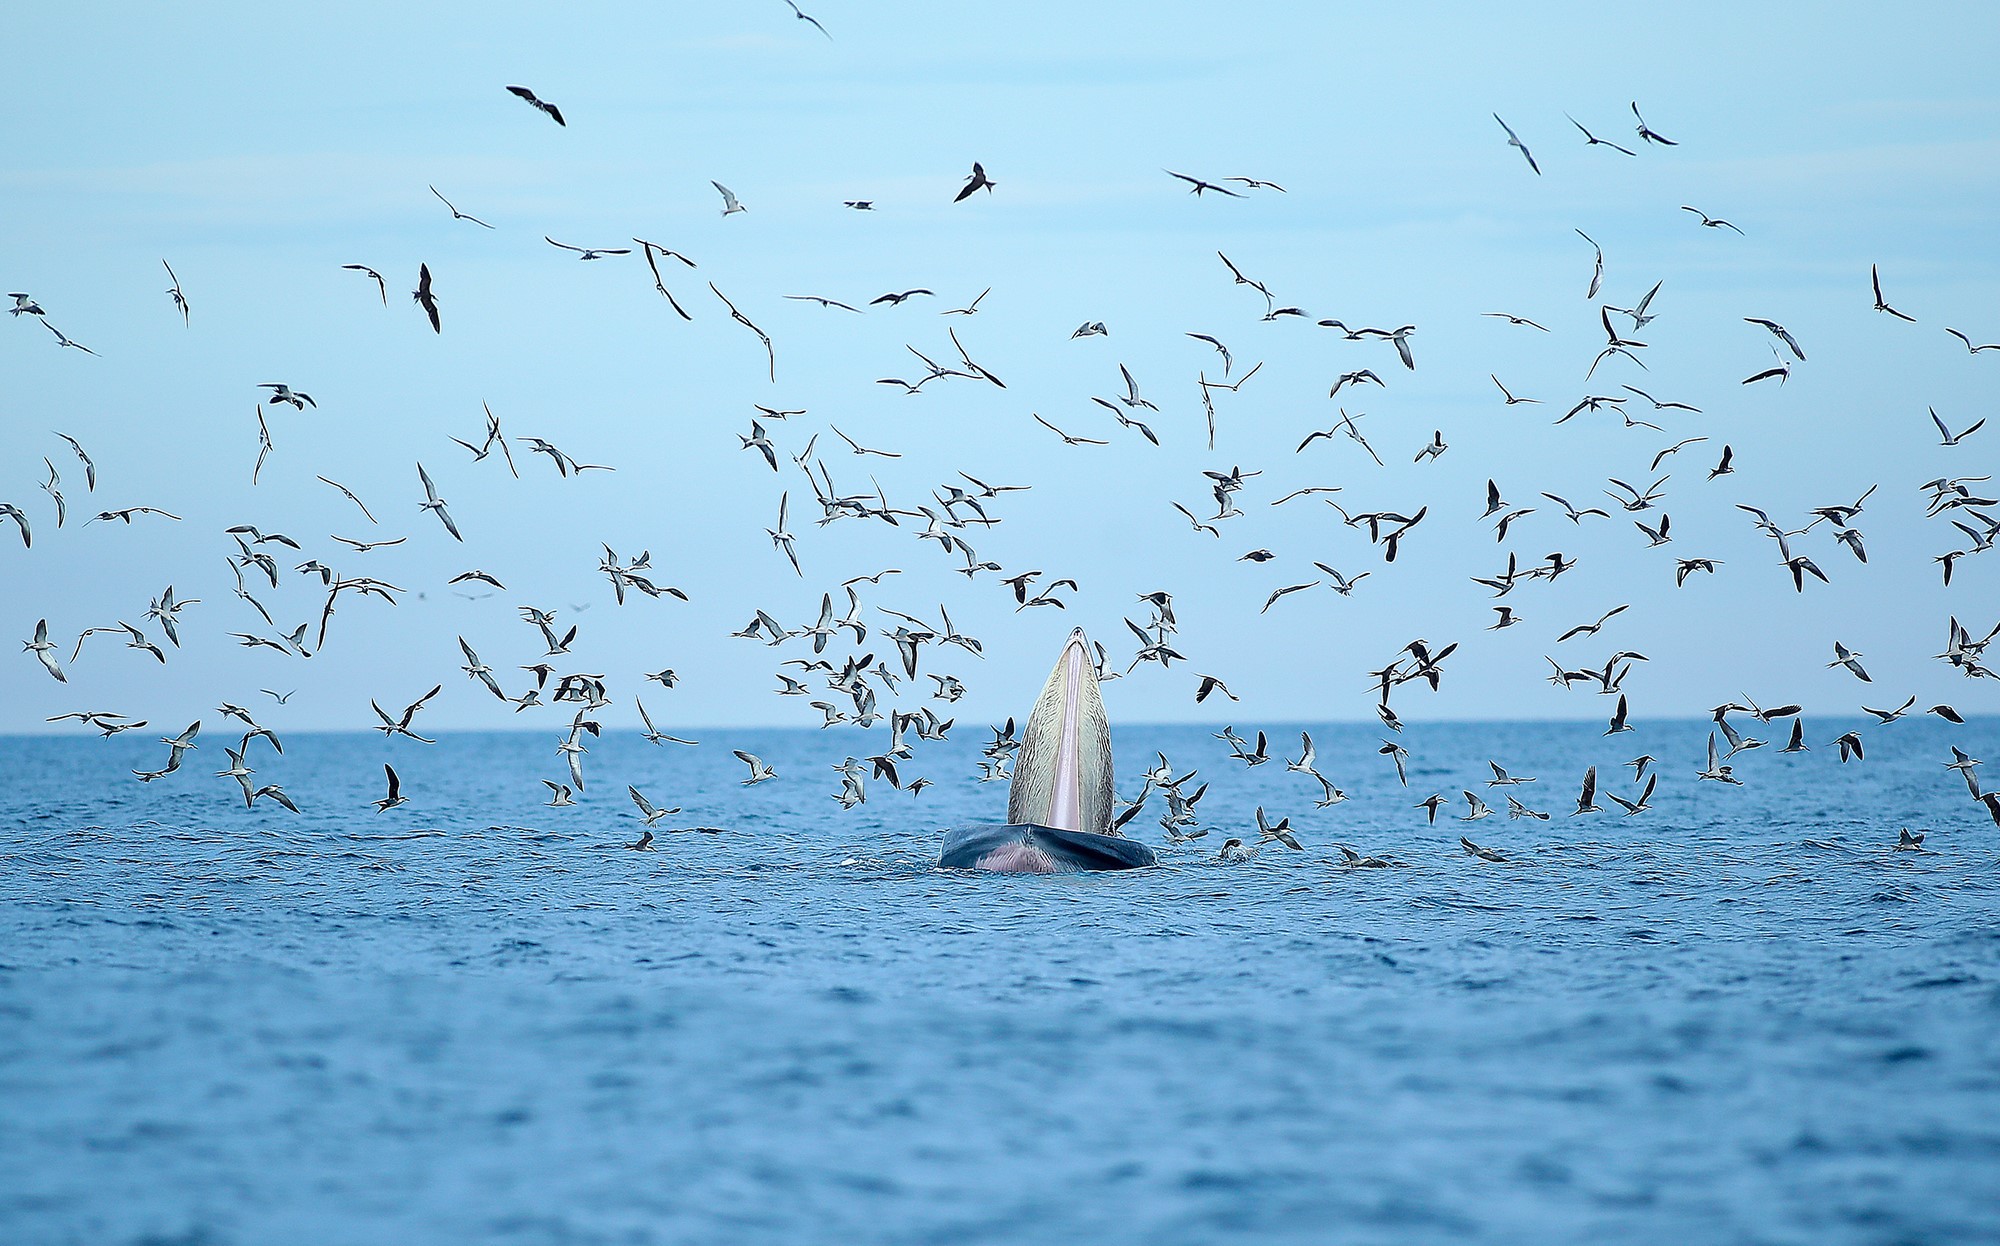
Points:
[(259, 150)]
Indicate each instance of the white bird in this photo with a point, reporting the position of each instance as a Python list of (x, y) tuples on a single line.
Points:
[(758, 770), (588, 253), (1843, 656), (646, 809), (43, 649), (285, 393), (432, 502)]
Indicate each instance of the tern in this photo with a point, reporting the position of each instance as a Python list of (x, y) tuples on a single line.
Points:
[(395, 796), (1875, 280), (1640, 805), (1712, 222), (977, 180), (401, 726), (1950, 438), (1646, 133), (432, 502), (588, 253), (803, 16), (380, 284), (647, 812), (1591, 140), (285, 393), (1199, 185), (456, 215), (1586, 801), (554, 113), (1514, 140), (425, 299), (1781, 333), (1889, 716)]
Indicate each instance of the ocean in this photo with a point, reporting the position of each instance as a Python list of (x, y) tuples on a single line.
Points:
[(1739, 1017)]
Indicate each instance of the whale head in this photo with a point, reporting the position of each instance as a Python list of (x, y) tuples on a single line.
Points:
[(1062, 771)]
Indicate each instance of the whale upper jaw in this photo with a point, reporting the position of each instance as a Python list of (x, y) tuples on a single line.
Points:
[(1062, 771)]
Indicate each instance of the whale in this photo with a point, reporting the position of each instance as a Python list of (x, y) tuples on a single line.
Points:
[(1059, 800)]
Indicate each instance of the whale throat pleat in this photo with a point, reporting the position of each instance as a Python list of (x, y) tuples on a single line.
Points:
[(1062, 771)]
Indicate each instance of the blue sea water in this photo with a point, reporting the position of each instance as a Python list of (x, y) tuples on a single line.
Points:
[(1738, 1018)]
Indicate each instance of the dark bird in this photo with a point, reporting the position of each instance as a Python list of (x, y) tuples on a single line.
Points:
[(1198, 184), (1875, 279), (424, 298), (977, 180), (395, 796), (1647, 133), (1591, 140), (555, 114)]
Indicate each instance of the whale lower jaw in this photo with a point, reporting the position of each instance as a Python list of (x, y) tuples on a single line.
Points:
[(1026, 849), (1019, 858)]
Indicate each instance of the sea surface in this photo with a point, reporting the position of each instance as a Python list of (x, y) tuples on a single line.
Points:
[(1740, 1017)]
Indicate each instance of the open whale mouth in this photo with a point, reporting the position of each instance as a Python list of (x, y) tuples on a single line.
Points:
[(1062, 771), (1059, 804)]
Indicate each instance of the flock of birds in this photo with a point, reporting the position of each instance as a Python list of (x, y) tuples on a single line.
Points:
[(847, 683)]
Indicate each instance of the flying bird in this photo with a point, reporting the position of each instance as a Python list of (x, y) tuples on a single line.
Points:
[(424, 298), (1875, 280), (180, 299), (456, 215), (395, 796), (555, 114), (804, 17), (1713, 222), (1200, 185), (1514, 140), (1647, 133), (380, 284), (432, 502), (588, 253), (1950, 438), (1591, 140), (977, 180)]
